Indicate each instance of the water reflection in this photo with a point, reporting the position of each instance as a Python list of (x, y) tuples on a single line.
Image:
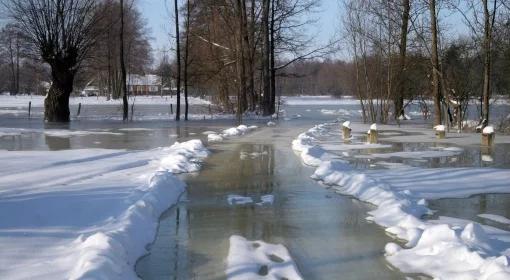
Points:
[(326, 234)]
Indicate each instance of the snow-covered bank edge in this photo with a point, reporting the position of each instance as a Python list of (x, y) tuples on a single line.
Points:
[(438, 248), (112, 254)]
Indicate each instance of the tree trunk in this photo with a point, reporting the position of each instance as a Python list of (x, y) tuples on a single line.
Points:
[(125, 106), (436, 90), (265, 58), (186, 61), (272, 59), (56, 103), (399, 98), (487, 61), (178, 58)]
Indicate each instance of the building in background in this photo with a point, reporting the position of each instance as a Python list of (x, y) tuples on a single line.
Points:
[(144, 84)]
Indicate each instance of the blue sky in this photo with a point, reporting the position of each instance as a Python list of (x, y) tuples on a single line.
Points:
[(159, 14)]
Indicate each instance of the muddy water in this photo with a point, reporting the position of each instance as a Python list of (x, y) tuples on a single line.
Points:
[(326, 234)]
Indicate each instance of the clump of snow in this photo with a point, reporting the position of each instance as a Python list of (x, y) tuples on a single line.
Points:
[(440, 248), (233, 131), (214, 138), (346, 124), (270, 123), (488, 130), (86, 214), (252, 260), (373, 126), (234, 199), (439, 127)]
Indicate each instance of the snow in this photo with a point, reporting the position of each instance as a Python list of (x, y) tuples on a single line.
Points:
[(443, 249), (495, 218), (373, 126), (230, 132), (21, 101), (488, 130), (252, 260), (440, 127), (270, 123), (88, 213), (319, 100), (346, 124), (234, 199), (414, 154)]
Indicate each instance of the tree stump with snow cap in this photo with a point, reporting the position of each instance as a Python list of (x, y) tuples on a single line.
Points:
[(488, 136), (372, 134), (346, 131), (440, 131)]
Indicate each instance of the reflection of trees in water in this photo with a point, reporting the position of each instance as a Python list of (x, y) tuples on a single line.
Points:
[(255, 173), (57, 143)]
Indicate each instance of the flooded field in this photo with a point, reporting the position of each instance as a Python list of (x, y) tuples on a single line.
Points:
[(256, 186)]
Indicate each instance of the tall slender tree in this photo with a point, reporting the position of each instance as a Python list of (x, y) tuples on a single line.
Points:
[(178, 59), (125, 106), (436, 86), (399, 98)]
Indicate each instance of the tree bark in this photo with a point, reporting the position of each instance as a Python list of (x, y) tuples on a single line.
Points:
[(399, 98), (265, 59), (56, 103), (272, 59), (125, 106), (436, 90), (186, 61), (487, 49), (178, 58)]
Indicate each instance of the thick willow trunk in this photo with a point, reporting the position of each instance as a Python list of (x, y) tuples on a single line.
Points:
[(56, 104)]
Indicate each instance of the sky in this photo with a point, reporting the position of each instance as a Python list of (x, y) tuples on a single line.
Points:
[(159, 16)]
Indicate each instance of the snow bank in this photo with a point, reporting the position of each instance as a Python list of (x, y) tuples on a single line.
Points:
[(438, 248), (86, 214), (252, 260), (230, 132)]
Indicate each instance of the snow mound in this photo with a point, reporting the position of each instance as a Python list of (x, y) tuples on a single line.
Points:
[(86, 214), (437, 248), (252, 260), (439, 127), (230, 132)]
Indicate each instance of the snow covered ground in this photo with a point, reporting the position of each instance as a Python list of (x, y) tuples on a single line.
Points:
[(446, 248), (21, 101), (86, 214)]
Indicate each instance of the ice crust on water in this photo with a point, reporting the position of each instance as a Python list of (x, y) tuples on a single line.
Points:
[(252, 260), (234, 199), (439, 248), (86, 214), (230, 132)]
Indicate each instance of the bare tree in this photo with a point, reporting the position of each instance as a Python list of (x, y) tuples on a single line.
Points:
[(436, 89), (178, 59), (125, 107), (63, 33)]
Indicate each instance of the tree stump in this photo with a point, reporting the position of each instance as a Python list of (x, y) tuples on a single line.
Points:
[(346, 132), (440, 134), (487, 139), (372, 136)]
